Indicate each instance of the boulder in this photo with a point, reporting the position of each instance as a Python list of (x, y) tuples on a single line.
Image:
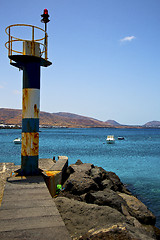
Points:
[(115, 232), (106, 197), (107, 183), (78, 162), (96, 174), (138, 210), (80, 168), (103, 172), (90, 221), (79, 183), (69, 195), (108, 179), (117, 184), (80, 217)]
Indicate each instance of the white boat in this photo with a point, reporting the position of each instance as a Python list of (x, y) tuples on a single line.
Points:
[(17, 140), (110, 139)]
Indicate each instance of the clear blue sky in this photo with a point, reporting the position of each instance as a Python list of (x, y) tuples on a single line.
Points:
[(105, 55)]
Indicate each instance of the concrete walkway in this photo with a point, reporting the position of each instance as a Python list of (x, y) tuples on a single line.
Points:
[(29, 212)]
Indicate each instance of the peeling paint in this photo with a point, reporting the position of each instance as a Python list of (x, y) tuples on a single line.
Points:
[(52, 178), (30, 103), (30, 144)]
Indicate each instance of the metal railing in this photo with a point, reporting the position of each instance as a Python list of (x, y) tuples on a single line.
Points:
[(12, 39)]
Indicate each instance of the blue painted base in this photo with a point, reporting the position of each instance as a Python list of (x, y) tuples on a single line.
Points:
[(30, 125), (29, 165)]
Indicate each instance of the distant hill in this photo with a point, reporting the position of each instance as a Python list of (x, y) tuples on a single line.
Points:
[(73, 116), (152, 124), (10, 116), (113, 123), (69, 120)]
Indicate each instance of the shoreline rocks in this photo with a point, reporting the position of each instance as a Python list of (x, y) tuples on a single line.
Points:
[(95, 204)]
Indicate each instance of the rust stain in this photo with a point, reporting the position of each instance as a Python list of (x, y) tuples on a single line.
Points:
[(30, 105), (52, 179), (24, 102), (36, 111), (52, 173), (30, 144)]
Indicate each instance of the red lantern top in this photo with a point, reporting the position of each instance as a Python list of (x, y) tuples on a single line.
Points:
[(45, 11)]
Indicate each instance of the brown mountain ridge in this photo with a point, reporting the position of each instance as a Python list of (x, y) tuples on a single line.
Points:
[(64, 119)]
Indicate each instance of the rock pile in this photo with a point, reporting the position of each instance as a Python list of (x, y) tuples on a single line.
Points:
[(95, 204)]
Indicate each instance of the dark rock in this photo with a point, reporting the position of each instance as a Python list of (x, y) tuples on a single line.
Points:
[(103, 172), (71, 196), (80, 217), (82, 168), (157, 231), (79, 162), (113, 180), (115, 183), (138, 210), (115, 232), (118, 185), (69, 171), (96, 175), (107, 183), (79, 183), (106, 198), (90, 221)]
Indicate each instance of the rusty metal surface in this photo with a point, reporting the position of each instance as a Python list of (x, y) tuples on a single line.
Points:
[(30, 103), (51, 173), (52, 178), (13, 39), (30, 144)]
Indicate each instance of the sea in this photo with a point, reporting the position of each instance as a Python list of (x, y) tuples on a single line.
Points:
[(136, 159)]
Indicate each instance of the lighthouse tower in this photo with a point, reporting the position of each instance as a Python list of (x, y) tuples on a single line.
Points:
[(29, 59)]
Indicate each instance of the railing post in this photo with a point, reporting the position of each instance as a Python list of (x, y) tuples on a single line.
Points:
[(33, 48), (9, 41), (46, 42), (11, 46)]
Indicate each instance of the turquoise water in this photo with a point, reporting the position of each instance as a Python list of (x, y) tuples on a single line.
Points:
[(135, 160)]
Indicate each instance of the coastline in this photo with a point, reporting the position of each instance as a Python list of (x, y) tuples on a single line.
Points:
[(13, 117), (78, 126)]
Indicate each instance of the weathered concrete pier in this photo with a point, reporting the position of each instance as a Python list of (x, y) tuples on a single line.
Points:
[(29, 212)]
